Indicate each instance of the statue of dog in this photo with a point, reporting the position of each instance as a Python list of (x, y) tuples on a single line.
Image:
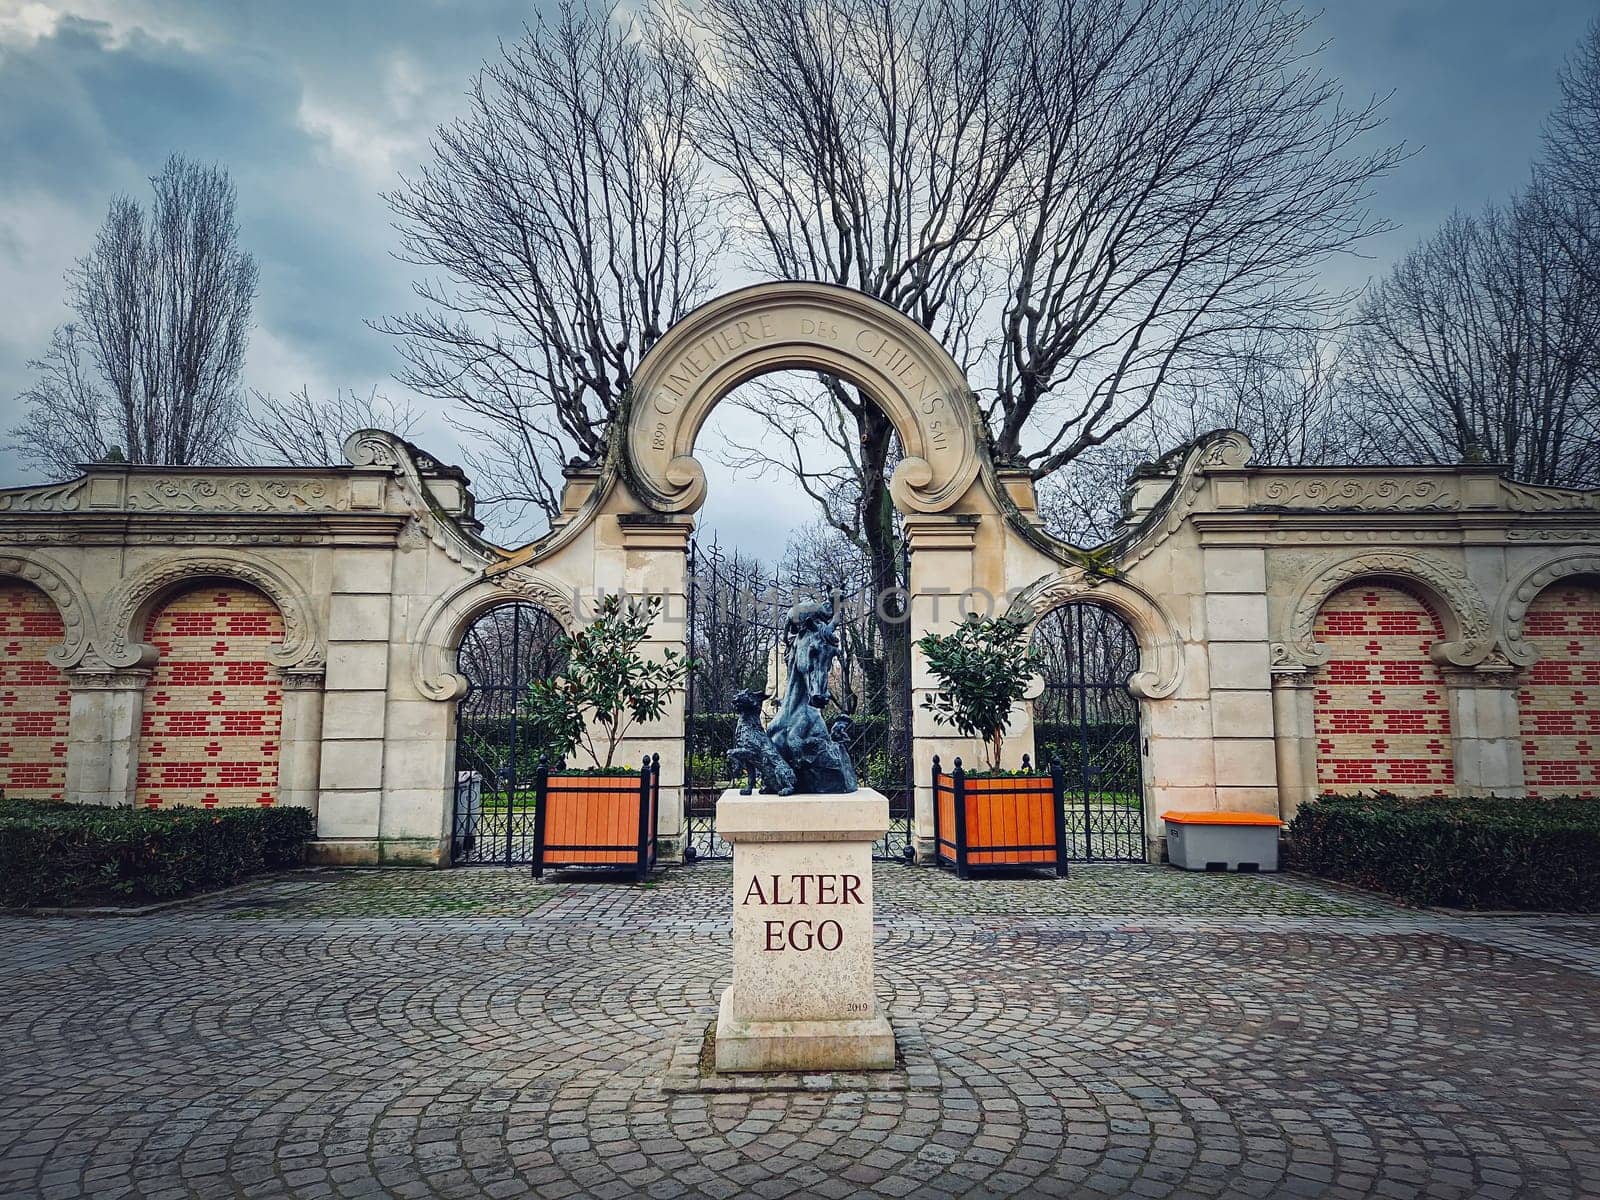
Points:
[(753, 753)]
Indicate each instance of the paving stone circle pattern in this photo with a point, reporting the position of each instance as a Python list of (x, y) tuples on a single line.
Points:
[(1129, 1031), (213, 709)]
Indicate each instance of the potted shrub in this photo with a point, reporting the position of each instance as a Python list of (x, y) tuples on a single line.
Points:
[(603, 815), (992, 818)]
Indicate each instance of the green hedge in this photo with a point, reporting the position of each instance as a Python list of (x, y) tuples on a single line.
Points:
[(64, 854), (1478, 853)]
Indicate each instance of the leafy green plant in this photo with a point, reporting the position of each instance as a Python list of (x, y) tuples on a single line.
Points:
[(983, 668), (608, 685), (1492, 852)]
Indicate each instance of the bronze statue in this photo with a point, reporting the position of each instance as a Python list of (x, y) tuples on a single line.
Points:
[(797, 733)]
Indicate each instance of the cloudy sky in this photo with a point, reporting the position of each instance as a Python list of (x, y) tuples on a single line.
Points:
[(316, 107)]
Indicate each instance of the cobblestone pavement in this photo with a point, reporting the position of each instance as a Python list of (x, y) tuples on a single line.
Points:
[(1126, 1032)]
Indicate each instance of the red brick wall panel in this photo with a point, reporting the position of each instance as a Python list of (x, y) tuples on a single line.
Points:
[(1382, 712), (1559, 699), (213, 709), (35, 703)]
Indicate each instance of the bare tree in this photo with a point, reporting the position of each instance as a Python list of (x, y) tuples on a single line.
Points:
[(566, 216), (867, 143), (1192, 173), (1484, 343), (1570, 169), (300, 430), (1285, 391), (162, 306)]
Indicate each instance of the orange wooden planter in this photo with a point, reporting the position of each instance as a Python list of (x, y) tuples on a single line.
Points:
[(597, 820), (998, 821)]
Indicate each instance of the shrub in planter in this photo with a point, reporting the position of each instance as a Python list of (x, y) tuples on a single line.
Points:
[(1497, 853), (604, 816), (983, 669), (65, 854), (991, 819)]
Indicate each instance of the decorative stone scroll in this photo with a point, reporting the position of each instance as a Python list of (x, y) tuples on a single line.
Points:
[(438, 635), (1526, 590), (1160, 646), (801, 326), (65, 593)]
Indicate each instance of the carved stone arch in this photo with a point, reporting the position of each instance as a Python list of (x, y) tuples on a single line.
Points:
[(303, 647), (65, 592), (445, 624), (1525, 590), (1160, 645), (808, 326), (1454, 598)]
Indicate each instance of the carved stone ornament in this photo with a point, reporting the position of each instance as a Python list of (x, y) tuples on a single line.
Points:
[(56, 582), (1160, 645), (1472, 639), (1526, 590), (439, 634), (302, 645), (378, 448), (1526, 497), (104, 679), (1365, 493), (61, 497), (271, 494), (1222, 449), (793, 325)]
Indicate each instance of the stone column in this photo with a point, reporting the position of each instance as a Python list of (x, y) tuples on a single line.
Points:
[(350, 766), (1295, 729), (1241, 684), (655, 563), (107, 708), (942, 569), (1485, 731), (300, 742)]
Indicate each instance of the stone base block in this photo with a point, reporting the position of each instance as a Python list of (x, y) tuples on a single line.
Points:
[(857, 1044), (377, 852)]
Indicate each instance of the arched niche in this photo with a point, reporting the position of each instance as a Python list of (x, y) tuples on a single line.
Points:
[(801, 326), (1445, 589), (1160, 647), (435, 670), (303, 646)]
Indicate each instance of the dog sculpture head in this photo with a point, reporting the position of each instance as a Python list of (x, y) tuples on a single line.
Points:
[(748, 703)]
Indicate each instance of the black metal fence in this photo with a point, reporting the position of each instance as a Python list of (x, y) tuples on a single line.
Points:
[(497, 745), (736, 613), (1087, 723)]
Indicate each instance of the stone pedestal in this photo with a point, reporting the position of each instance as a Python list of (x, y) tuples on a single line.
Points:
[(802, 996)]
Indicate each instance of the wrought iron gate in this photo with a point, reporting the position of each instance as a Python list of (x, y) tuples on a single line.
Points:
[(735, 632), (497, 746), (1088, 722)]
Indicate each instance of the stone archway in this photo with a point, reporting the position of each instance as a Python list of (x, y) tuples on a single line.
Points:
[(807, 326)]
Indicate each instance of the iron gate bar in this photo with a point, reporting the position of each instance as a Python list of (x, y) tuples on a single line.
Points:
[(1091, 718), (722, 583), (496, 755)]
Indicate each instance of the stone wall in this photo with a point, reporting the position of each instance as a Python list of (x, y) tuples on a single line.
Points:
[(1434, 631), (1429, 629)]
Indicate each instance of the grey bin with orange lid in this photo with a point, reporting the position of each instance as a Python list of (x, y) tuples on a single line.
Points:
[(1222, 841)]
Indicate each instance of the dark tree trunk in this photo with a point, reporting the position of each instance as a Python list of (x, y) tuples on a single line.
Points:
[(887, 676)]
